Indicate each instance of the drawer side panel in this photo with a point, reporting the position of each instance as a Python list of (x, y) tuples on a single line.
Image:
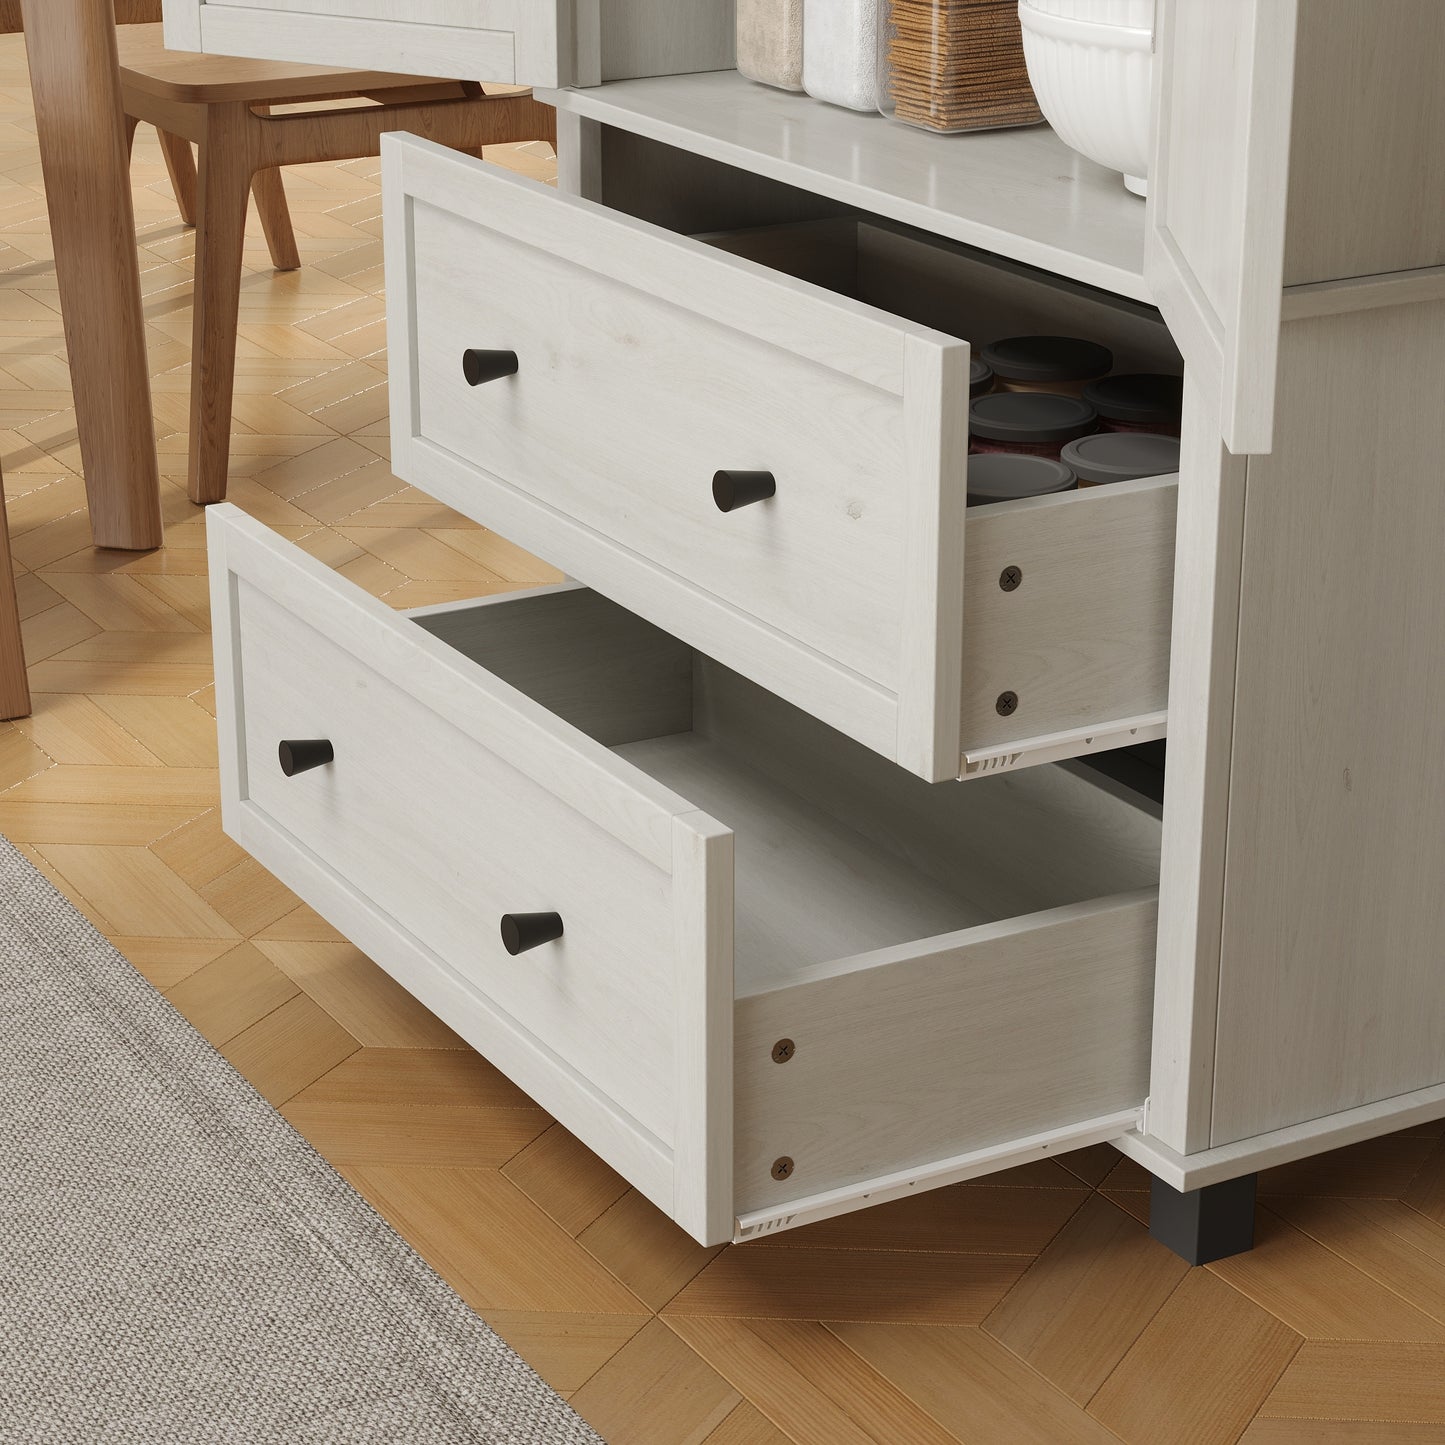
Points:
[(626, 404), (914, 1054), (1078, 631)]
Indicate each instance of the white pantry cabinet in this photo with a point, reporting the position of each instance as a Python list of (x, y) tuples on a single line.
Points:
[(718, 380)]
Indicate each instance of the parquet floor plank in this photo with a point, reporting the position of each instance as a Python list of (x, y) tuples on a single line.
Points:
[(1200, 1369), (1090, 1294)]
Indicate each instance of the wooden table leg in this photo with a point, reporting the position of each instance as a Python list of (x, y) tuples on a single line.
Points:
[(76, 84), (14, 690)]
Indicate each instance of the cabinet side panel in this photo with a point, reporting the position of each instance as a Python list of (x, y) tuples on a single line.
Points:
[(1367, 173), (665, 37), (1331, 989)]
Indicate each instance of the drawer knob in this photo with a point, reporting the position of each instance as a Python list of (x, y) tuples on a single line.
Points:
[(480, 366), (521, 931), (731, 490), (300, 755)]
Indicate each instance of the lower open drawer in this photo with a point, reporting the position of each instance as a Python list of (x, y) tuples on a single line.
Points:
[(791, 978)]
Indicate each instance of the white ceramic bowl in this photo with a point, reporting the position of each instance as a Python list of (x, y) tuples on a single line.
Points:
[(1093, 80)]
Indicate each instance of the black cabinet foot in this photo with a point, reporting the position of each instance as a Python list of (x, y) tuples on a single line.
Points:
[(1204, 1224)]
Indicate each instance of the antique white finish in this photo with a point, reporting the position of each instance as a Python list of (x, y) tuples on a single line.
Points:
[(578, 764), (845, 593), (695, 293)]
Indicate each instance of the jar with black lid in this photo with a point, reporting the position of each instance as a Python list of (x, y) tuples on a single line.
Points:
[(1032, 423), (1121, 457), (1047, 363), (980, 377), (1007, 476), (1139, 401)]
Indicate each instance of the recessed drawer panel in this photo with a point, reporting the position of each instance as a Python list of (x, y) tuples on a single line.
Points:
[(709, 432), (764, 973)]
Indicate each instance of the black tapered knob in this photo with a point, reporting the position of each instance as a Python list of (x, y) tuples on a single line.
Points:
[(731, 490), (521, 931), (300, 755), (480, 366)]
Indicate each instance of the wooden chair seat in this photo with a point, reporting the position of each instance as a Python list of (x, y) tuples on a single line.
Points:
[(225, 107)]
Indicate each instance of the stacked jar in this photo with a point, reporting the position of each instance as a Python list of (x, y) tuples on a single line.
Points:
[(953, 65), (1035, 408), (770, 42)]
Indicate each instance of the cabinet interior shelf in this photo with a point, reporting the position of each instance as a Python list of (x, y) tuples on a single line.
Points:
[(1019, 193)]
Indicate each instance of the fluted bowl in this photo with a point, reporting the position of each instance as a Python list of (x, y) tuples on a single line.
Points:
[(1093, 79)]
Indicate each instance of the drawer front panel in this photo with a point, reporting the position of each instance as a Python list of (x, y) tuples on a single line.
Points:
[(646, 362), (448, 838), (625, 405), (453, 798)]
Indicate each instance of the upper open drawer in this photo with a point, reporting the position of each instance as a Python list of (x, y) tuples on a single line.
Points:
[(522, 42), (647, 361)]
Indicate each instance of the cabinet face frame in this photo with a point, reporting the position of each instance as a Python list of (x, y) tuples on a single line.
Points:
[(1218, 194)]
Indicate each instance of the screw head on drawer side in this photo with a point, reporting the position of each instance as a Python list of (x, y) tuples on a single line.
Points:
[(782, 1168), (784, 1050), (1007, 704), (1009, 578)]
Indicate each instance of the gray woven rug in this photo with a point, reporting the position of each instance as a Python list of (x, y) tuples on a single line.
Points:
[(177, 1264)]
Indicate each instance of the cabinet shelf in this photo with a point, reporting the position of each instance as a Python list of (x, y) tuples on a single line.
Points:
[(1018, 193)]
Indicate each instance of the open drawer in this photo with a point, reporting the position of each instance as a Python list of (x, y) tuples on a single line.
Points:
[(790, 980), (636, 363)]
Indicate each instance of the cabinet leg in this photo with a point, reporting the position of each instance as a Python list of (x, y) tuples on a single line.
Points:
[(1204, 1224)]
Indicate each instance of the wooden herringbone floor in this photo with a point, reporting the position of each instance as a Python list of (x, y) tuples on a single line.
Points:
[(1031, 1307)]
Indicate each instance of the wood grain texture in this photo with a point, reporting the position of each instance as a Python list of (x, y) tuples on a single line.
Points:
[(1094, 1290), (971, 1384), (985, 1036), (309, 350), (1367, 179), (1361, 1380), (1338, 602), (1084, 639), (76, 90), (1238, 1353), (801, 1372)]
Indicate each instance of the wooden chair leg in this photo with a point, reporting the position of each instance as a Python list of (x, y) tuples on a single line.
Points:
[(14, 689), (225, 187), (182, 167), (276, 220)]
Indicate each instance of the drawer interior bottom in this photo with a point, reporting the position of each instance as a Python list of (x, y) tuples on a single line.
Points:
[(838, 852)]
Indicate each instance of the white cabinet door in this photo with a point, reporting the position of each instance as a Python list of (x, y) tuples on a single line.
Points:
[(1218, 193), (525, 42)]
